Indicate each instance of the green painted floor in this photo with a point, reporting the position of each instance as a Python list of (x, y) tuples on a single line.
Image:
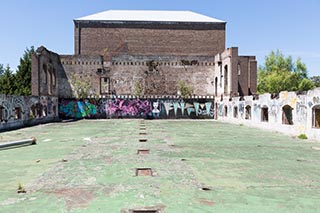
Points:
[(90, 166)]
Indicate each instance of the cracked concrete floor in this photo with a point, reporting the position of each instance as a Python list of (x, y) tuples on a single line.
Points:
[(197, 166)]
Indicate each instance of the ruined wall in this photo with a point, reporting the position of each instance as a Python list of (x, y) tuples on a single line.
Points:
[(234, 75), (48, 75), (149, 38), (132, 107), (160, 76), (156, 75), (289, 112), (221, 75), (80, 68), (20, 111)]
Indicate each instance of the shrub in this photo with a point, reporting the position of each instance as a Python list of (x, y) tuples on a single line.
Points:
[(302, 136), (184, 89)]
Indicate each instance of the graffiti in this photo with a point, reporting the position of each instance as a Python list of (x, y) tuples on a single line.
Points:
[(155, 110), (128, 108), (301, 112), (316, 100), (241, 109), (77, 109), (15, 109), (136, 108), (220, 109), (291, 113)]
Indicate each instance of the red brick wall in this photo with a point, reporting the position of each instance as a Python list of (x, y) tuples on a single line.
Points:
[(150, 40)]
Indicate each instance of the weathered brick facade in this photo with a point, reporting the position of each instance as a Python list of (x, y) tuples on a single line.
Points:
[(149, 39), (115, 56)]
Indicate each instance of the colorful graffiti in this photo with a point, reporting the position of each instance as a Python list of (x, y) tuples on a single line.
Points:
[(136, 108), (17, 111), (77, 109), (128, 108)]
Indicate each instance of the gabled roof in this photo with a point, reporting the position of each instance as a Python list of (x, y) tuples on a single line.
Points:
[(149, 16)]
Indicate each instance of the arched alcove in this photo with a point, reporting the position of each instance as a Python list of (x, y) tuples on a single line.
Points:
[(264, 114), (248, 112), (316, 117), (287, 115)]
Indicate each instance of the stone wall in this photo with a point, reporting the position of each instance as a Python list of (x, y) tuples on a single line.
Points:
[(134, 107), (288, 112), (95, 38), (223, 75), (20, 111)]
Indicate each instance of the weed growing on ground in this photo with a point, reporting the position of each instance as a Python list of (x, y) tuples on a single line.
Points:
[(302, 136)]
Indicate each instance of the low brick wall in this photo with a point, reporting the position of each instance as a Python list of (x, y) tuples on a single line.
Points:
[(125, 107), (21, 111), (287, 112)]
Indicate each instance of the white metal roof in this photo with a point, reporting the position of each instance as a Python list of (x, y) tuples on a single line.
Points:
[(149, 15)]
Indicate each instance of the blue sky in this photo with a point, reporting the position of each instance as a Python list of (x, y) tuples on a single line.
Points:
[(255, 26)]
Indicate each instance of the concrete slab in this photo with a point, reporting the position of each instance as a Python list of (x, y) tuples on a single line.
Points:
[(89, 166)]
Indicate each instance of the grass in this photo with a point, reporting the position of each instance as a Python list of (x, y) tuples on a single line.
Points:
[(89, 166)]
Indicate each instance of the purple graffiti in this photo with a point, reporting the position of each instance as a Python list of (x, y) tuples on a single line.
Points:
[(128, 107)]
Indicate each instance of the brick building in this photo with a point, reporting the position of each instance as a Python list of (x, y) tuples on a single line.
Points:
[(117, 50)]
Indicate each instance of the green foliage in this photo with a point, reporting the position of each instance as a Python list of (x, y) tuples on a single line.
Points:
[(18, 83), (302, 136), (1, 70), (315, 80), (138, 89), (280, 73), (7, 79), (306, 84), (23, 74), (80, 88), (184, 89)]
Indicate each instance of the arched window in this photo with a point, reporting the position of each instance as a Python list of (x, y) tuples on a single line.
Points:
[(316, 117), (45, 74), (248, 113), (287, 115), (54, 77), (264, 114), (225, 111), (17, 113), (239, 69), (216, 86), (1, 113), (226, 80), (235, 112)]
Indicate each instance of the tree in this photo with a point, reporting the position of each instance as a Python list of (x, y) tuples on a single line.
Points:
[(23, 74), (6, 81), (316, 80), (1, 70), (81, 88), (280, 73), (138, 89), (184, 89)]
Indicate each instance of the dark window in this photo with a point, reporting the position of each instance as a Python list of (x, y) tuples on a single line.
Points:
[(216, 86), (1, 113), (287, 115), (264, 114), (248, 113), (45, 74), (226, 80), (235, 112), (316, 117), (44, 110), (17, 113), (225, 111)]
